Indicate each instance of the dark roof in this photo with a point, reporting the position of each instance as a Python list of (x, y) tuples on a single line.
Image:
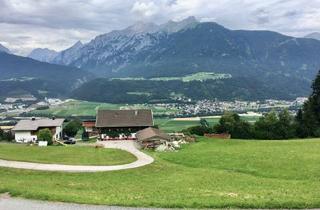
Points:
[(124, 118), (33, 125), (151, 133)]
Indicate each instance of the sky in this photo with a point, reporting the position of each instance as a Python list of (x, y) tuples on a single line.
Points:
[(58, 24)]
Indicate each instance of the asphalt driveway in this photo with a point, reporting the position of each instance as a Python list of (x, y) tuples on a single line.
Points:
[(7, 203), (129, 146)]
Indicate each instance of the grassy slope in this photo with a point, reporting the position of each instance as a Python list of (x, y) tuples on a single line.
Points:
[(70, 155), (211, 173)]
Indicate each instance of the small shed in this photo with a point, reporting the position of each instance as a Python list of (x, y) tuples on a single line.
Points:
[(151, 137)]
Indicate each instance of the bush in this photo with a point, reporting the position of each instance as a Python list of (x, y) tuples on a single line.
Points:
[(72, 128), (45, 135), (198, 130), (6, 136), (232, 124), (85, 136), (270, 126)]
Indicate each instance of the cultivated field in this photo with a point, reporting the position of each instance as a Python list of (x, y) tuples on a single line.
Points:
[(200, 76), (77, 108), (206, 174)]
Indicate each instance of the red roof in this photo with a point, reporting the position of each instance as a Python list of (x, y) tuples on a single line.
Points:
[(89, 124)]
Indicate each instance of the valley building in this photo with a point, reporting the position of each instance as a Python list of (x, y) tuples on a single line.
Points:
[(122, 124), (26, 130)]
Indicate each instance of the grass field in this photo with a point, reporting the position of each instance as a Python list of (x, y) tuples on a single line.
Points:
[(70, 155), (171, 125), (200, 76), (174, 125), (77, 108), (207, 174)]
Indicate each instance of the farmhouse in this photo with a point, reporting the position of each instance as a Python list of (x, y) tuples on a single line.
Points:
[(122, 124), (26, 130)]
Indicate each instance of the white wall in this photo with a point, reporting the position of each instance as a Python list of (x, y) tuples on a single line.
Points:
[(24, 136)]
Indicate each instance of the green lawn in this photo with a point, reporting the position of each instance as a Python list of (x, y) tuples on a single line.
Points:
[(207, 174), (70, 155), (170, 125), (77, 108)]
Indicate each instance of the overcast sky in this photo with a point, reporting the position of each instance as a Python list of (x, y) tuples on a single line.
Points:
[(57, 24)]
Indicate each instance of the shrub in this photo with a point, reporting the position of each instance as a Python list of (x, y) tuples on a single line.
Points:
[(45, 135), (85, 136), (232, 124), (198, 130), (6, 136), (72, 128)]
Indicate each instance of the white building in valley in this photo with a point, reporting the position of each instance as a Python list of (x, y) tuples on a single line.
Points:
[(26, 130)]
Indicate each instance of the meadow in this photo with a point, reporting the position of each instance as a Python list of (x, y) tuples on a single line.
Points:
[(206, 174), (200, 76), (69, 155), (76, 108)]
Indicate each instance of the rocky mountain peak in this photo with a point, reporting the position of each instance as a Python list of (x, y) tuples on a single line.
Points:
[(4, 49), (175, 26), (315, 35)]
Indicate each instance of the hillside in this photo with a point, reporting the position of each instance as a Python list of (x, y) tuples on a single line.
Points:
[(180, 48), (20, 73), (157, 91), (208, 174), (177, 49)]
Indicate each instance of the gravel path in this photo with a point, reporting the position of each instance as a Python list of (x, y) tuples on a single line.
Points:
[(129, 146), (23, 204)]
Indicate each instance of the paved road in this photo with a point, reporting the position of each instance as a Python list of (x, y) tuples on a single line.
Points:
[(23, 204), (129, 146)]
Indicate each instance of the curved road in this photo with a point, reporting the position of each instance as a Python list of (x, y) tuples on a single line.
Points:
[(129, 146), (19, 203)]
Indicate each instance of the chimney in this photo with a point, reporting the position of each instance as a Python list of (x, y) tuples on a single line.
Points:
[(136, 112), (53, 118), (33, 118)]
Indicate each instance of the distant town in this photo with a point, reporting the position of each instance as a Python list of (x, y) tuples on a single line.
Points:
[(15, 107)]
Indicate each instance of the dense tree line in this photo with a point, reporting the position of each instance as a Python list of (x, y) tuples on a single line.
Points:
[(273, 125), (149, 91)]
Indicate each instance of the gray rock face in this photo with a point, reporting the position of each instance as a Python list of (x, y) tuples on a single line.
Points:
[(118, 48), (43, 55)]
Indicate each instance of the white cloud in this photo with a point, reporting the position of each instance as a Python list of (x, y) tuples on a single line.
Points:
[(58, 24)]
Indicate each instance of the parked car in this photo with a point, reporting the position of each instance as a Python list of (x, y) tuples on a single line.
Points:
[(66, 138), (70, 141)]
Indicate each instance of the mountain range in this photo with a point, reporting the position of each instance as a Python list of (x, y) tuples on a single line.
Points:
[(282, 65), (188, 46)]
